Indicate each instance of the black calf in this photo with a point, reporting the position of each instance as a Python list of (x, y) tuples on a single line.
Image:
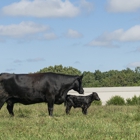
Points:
[(80, 101)]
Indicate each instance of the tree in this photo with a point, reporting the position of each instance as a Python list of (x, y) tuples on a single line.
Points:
[(88, 79), (61, 69), (126, 77), (137, 69)]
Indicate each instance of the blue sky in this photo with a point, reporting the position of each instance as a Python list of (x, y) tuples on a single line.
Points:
[(85, 34)]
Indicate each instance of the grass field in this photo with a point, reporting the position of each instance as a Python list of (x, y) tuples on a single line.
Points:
[(102, 123)]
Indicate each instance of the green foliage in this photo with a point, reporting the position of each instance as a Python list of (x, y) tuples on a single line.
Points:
[(88, 79), (112, 78), (134, 101), (97, 103), (116, 100), (61, 69)]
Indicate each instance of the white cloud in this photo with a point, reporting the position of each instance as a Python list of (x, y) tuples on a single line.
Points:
[(18, 61), (76, 62), (38, 59), (134, 64), (10, 69), (21, 30), (84, 5), (123, 5), (106, 39), (137, 50), (101, 43), (50, 36), (42, 8), (26, 31), (133, 34), (73, 34)]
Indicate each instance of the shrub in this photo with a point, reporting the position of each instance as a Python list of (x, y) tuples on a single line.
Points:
[(134, 101), (97, 103), (116, 100)]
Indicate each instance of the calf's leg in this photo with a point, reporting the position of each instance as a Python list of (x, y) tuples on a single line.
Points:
[(84, 110), (68, 108)]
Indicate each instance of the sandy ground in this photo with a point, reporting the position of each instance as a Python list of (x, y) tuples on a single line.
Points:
[(105, 93)]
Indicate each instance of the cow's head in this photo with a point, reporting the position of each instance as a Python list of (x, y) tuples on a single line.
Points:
[(77, 85), (95, 96)]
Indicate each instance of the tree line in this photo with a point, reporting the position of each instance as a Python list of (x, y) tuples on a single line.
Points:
[(112, 78)]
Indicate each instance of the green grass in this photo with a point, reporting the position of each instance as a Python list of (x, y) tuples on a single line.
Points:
[(102, 123)]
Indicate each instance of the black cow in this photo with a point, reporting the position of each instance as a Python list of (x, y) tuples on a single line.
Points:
[(28, 89), (80, 101)]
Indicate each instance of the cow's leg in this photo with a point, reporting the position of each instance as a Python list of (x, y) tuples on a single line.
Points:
[(68, 108), (50, 107), (50, 99), (3, 98), (84, 110), (1, 103), (50, 110), (10, 106)]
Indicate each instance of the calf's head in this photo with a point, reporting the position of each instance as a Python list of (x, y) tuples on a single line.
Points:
[(77, 85), (95, 96)]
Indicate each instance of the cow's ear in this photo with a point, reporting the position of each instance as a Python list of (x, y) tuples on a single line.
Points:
[(79, 77)]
